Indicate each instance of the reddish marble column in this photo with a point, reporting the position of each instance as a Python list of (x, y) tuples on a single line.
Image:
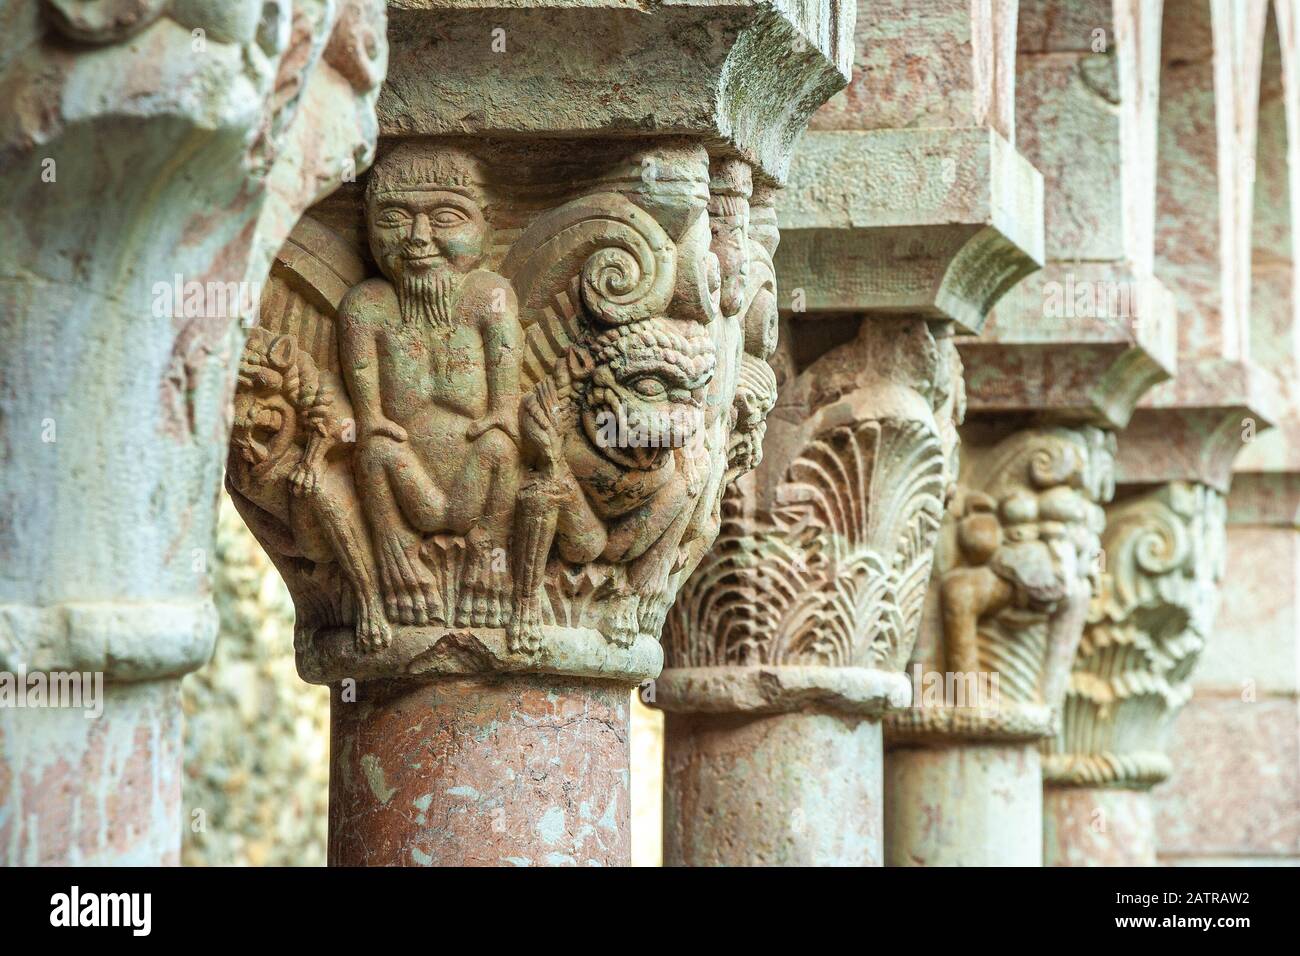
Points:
[(1095, 826), (789, 789), (520, 771)]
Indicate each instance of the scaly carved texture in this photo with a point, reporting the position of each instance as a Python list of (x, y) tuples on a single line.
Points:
[(1146, 628), (523, 415), (825, 553), (1016, 570)]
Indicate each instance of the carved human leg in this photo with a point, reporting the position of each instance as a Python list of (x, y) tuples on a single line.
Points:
[(155, 168)]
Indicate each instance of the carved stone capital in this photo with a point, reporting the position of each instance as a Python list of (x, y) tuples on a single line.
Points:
[(1164, 557), (813, 594), (154, 154), (488, 432), (1014, 574)]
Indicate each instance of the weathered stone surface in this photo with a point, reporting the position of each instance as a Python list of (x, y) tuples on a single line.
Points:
[(964, 805), (486, 424), (746, 74), (907, 215), (1094, 826), (1014, 573), (101, 791), (527, 771), (528, 499), (937, 223), (1152, 615), (1015, 569), (155, 156), (1233, 796), (754, 790)]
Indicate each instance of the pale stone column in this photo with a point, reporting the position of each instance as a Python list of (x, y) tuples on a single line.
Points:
[(153, 156), (1164, 542), (1062, 361), (908, 214), (486, 424)]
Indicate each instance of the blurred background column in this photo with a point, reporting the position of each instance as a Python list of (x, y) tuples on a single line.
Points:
[(1164, 555), (1064, 358), (907, 215), (1233, 795)]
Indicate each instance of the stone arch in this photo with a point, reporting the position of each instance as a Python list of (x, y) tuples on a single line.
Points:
[(1273, 302)]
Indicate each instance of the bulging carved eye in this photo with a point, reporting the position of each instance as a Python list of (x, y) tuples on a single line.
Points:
[(393, 218), (448, 216), (649, 387)]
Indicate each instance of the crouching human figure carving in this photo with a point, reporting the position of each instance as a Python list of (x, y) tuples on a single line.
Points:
[(511, 440)]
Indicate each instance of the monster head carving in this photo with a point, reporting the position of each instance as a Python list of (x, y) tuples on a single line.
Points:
[(640, 389)]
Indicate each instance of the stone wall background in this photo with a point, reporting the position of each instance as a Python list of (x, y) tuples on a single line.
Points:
[(256, 783)]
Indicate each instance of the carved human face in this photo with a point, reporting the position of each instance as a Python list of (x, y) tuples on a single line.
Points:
[(420, 232), (645, 398)]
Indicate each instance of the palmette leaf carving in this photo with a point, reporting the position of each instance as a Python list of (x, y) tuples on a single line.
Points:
[(1145, 631), (826, 561)]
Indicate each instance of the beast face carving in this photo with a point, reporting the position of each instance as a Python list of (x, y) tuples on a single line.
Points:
[(640, 389)]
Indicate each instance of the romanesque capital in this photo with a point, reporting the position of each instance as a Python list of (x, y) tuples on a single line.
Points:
[(814, 591), (1015, 572), (495, 437), (1147, 625), (493, 403)]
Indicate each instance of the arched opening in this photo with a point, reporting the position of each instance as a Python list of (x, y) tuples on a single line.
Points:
[(1273, 325)]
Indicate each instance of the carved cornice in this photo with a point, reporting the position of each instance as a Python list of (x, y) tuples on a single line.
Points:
[(818, 578), (1074, 342), (743, 75), (1146, 628), (939, 223), (1193, 427), (1013, 577)]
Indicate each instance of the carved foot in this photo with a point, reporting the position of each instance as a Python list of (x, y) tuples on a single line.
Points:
[(524, 633), (373, 630), (485, 588), (410, 593), (621, 629)]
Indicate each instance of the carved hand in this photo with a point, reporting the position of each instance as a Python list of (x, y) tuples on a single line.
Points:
[(538, 419), (305, 479)]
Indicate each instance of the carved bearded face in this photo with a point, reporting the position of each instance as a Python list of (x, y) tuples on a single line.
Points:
[(643, 388), (426, 226), (426, 231)]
